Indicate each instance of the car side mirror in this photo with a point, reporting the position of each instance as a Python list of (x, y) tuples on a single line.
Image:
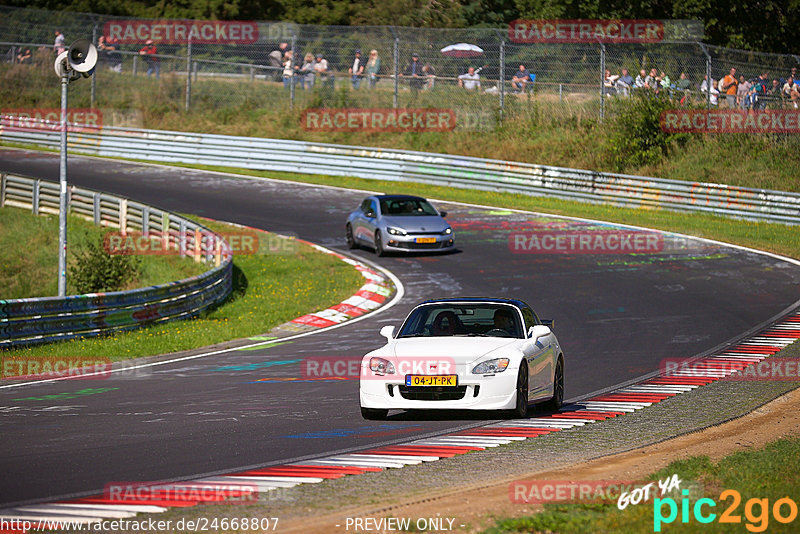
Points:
[(443, 214), (388, 332), (550, 323)]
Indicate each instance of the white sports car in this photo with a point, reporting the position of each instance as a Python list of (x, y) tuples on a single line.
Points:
[(465, 354)]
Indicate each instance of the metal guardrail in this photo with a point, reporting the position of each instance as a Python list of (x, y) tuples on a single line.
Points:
[(438, 169), (37, 320)]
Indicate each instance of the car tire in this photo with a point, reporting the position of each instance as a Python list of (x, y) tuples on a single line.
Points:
[(374, 414), (555, 402), (348, 236), (379, 244), (520, 411)]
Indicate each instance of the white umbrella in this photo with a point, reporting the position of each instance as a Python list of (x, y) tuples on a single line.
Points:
[(462, 50)]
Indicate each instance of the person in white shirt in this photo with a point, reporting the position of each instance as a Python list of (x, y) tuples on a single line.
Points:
[(357, 70), (470, 81)]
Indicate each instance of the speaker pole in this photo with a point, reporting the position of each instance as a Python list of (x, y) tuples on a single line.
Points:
[(62, 175)]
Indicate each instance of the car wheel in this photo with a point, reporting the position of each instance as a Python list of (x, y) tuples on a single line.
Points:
[(374, 413), (521, 409), (379, 244), (554, 404), (348, 235)]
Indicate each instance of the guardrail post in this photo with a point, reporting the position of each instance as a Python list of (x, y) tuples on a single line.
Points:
[(2, 190), (35, 199), (165, 231), (182, 234), (123, 215), (96, 208), (94, 78), (198, 244), (146, 221), (188, 74), (135, 62)]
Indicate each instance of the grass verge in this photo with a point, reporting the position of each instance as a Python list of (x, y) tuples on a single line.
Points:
[(268, 289), (760, 478), (32, 270)]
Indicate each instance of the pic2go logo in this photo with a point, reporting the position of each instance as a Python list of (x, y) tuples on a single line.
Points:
[(756, 511)]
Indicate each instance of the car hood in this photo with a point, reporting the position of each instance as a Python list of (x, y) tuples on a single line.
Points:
[(417, 223), (460, 350)]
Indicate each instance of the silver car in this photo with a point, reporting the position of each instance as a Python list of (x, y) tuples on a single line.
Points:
[(401, 223)]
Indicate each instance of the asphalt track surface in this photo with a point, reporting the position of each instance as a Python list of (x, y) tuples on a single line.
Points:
[(617, 317)]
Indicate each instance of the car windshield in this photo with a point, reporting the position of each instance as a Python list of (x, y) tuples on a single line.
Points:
[(451, 319), (406, 207)]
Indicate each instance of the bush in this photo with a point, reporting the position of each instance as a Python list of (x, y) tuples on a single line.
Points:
[(95, 270), (636, 137)]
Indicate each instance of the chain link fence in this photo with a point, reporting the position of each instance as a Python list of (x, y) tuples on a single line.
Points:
[(291, 66)]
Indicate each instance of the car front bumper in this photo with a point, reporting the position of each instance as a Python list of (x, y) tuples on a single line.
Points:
[(418, 243)]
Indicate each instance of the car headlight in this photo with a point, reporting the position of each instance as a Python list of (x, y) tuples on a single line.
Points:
[(498, 365), (395, 231), (381, 366), (448, 231)]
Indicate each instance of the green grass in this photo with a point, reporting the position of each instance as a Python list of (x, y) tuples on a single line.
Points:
[(768, 473), (29, 255), (269, 289)]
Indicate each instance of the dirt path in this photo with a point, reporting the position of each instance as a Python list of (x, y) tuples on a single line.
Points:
[(474, 506)]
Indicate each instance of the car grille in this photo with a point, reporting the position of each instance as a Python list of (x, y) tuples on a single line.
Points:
[(421, 246), (437, 393)]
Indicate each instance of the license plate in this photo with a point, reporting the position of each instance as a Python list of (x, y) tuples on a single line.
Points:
[(426, 240), (431, 380)]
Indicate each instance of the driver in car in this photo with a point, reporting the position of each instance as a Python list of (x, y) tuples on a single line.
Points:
[(504, 320)]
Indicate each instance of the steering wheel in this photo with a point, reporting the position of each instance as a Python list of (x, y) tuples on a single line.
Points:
[(497, 332)]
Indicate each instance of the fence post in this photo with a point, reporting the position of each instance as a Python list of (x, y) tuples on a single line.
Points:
[(709, 85), (135, 62), (291, 79), (188, 75), (602, 81), (502, 77), (396, 68), (94, 77)]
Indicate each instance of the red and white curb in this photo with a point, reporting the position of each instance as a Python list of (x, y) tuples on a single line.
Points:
[(219, 489)]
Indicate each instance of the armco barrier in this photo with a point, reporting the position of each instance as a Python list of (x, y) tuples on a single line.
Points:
[(37, 320), (438, 169)]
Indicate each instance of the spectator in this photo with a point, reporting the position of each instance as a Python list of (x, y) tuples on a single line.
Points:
[(25, 57), (321, 70), (704, 88), (609, 81), (625, 83), (742, 91), (430, 76), (666, 82), (793, 74), (470, 81), (373, 68), (759, 91), (148, 52), (729, 86), (774, 93), (683, 85), (103, 50), (114, 57), (307, 71), (288, 68), (356, 70), (651, 80), (276, 58), (58, 44), (791, 91), (415, 73), (520, 80), (640, 80)]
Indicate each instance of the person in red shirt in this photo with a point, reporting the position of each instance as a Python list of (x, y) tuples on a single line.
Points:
[(148, 52)]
